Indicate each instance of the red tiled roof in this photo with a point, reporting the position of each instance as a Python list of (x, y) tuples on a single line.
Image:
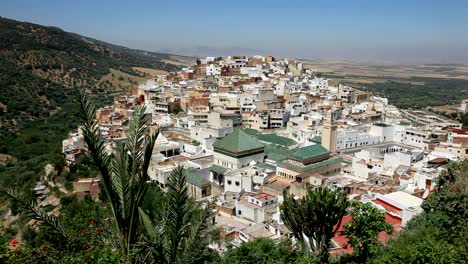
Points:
[(438, 160), (457, 130), (262, 196), (259, 196), (342, 241)]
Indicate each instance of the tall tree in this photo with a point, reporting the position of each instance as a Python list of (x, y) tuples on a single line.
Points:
[(314, 219), (363, 231), (124, 176)]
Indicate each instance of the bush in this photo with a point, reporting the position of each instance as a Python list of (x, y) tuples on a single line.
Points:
[(69, 186)]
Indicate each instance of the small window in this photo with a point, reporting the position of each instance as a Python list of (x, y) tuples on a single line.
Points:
[(229, 182), (237, 183)]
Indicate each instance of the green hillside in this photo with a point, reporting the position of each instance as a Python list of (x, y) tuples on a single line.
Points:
[(41, 66), (41, 70)]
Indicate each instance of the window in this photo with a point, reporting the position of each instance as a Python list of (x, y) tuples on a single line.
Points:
[(237, 183), (239, 212), (229, 182)]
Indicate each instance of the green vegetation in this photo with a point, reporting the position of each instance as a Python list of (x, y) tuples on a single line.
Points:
[(123, 177), (363, 230), (440, 233), (263, 251), (464, 121), (433, 91), (43, 66), (314, 219), (176, 233), (42, 70)]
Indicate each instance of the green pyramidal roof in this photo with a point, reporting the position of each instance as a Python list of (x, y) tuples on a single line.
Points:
[(308, 152), (238, 141)]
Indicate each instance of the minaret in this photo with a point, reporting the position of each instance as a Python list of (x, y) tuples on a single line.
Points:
[(329, 133)]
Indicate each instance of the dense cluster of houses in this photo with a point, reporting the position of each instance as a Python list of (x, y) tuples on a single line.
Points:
[(248, 128)]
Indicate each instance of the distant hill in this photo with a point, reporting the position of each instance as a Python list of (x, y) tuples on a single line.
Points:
[(40, 67)]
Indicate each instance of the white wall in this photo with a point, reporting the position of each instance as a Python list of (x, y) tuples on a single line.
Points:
[(234, 182), (234, 163), (395, 159)]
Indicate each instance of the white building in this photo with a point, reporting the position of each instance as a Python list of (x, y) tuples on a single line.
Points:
[(350, 138), (237, 150), (256, 207), (212, 69)]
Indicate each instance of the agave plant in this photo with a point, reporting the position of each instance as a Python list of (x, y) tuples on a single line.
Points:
[(124, 175)]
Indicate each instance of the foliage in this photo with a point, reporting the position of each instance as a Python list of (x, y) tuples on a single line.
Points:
[(264, 251), (42, 65), (84, 236), (314, 219), (439, 234), (123, 176), (177, 109), (405, 93), (180, 232), (464, 120), (363, 230)]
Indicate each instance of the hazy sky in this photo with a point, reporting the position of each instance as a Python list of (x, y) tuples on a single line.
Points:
[(394, 30)]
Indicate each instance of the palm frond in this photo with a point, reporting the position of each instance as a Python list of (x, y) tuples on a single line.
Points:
[(148, 225), (95, 143), (120, 181), (177, 211), (197, 235), (30, 209)]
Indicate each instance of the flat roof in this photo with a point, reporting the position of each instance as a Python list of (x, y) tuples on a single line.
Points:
[(405, 199)]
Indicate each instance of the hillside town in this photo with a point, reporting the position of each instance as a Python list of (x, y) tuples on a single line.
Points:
[(248, 129)]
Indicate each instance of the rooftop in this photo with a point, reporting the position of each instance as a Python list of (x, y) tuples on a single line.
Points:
[(405, 199), (275, 139), (276, 152), (218, 169), (196, 178), (308, 152), (312, 166), (237, 142)]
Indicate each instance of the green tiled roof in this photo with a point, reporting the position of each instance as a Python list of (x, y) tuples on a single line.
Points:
[(194, 177), (238, 141), (308, 152), (317, 139), (276, 153), (252, 131), (312, 166), (218, 169), (275, 139)]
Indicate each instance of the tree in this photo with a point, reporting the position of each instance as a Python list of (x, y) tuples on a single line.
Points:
[(363, 230), (174, 231), (464, 120), (124, 176), (177, 109), (439, 234), (179, 233), (314, 219), (263, 250)]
